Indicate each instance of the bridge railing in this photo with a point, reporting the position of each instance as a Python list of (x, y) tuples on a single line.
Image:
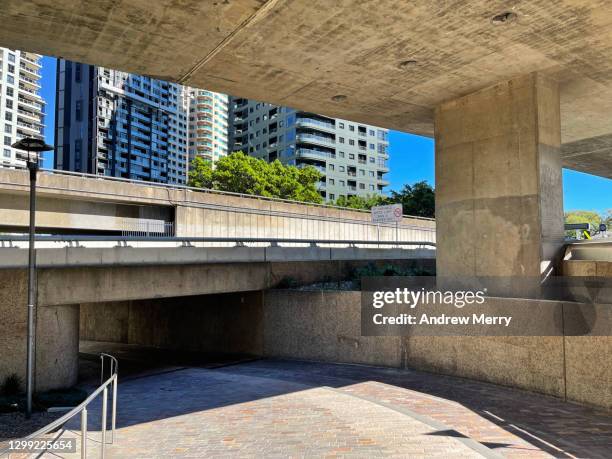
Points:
[(105, 384), (205, 190), (17, 240)]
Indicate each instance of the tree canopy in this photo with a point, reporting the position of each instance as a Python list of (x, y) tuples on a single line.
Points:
[(584, 216), (417, 199), (240, 173)]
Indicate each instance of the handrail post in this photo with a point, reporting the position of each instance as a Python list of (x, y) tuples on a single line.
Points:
[(84, 433), (114, 412), (104, 408)]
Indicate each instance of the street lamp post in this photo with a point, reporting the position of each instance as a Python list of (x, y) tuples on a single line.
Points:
[(35, 146)]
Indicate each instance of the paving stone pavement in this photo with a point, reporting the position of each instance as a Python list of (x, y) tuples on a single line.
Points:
[(274, 408)]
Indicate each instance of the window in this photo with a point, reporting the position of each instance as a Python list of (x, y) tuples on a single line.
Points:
[(341, 139), (78, 145), (372, 146), (341, 125), (331, 181), (372, 159), (342, 154), (11, 68), (371, 173), (10, 91), (8, 128), (331, 167), (351, 156), (372, 132), (362, 186), (361, 172), (351, 142), (341, 168), (9, 103), (7, 141), (332, 196), (77, 72), (342, 183), (8, 116), (371, 187), (78, 111), (351, 128), (11, 58), (10, 79)]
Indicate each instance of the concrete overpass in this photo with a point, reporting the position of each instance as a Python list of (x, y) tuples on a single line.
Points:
[(410, 58), (512, 92), (78, 203)]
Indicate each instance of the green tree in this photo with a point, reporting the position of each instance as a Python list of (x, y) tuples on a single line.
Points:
[(607, 219), (361, 202), (240, 173), (583, 216), (200, 173), (417, 199)]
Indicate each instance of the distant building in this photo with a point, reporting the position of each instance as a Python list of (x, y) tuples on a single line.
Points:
[(119, 124), (208, 129), (351, 156), (22, 110)]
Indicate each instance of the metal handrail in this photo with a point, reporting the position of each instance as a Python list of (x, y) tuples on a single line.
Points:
[(207, 190), (272, 241), (82, 408)]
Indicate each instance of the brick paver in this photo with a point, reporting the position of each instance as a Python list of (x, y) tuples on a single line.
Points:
[(299, 409)]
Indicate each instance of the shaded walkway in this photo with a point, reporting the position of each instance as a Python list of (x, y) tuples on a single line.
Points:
[(283, 408)]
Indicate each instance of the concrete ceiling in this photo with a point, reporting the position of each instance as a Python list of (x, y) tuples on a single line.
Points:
[(302, 53)]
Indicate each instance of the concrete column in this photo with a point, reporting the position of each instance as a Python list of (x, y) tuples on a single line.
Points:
[(499, 200)]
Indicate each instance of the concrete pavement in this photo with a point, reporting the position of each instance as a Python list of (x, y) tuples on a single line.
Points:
[(300, 409)]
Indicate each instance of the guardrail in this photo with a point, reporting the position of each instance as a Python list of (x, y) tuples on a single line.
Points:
[(82, 409), (187, 241)]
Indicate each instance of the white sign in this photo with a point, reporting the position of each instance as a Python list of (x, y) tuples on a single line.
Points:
[(387, 214)]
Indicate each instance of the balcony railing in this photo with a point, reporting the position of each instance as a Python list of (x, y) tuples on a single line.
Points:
[(315, 153), (316, 123), (316, 138)]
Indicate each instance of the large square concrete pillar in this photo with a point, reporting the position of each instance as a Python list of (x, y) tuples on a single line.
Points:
[(499, 199)]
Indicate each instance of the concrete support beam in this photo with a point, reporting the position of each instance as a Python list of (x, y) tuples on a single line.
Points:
[(499, 200)]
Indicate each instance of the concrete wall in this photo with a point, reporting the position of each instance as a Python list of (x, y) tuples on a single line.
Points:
[(323, 326), (326, 326), (78, 203), (57, 333)]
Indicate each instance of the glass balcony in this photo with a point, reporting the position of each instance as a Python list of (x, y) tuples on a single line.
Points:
[(317, 124), (313, 138)]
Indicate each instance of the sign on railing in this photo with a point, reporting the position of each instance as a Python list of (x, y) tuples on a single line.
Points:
[(391, 213)]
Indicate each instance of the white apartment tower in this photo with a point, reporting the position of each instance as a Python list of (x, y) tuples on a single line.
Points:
[(22, 110), (208, 112)]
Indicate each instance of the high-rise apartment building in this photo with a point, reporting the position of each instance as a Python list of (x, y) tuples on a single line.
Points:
[(208, 130), (351, 156), (119, 124), (22, 110)]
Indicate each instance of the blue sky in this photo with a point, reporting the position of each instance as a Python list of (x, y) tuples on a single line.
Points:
[(411, 159)]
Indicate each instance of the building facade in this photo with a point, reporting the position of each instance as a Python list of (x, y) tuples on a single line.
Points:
[(208, 124), (352, 157), (22, 109), (120, 124)]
